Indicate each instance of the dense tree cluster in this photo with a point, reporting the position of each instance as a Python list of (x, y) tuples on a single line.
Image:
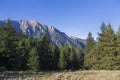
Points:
[(105, 52), (19, 52), (70, 58)]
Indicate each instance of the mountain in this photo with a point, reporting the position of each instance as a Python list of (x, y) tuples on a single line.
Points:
[(34, 29)]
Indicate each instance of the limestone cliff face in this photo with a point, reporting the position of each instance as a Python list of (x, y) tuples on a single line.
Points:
[(34, 29)]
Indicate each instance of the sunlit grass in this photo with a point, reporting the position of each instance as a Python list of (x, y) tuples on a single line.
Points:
[(65, 75)]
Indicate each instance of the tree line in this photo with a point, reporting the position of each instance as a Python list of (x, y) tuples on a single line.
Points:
[(20, 52)]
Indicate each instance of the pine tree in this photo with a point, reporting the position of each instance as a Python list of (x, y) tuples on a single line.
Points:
[(3, 58), (53, 57), (23, 53), (45, 53), (89, 45), (64, 62), (89, 42), (24, 47), (106, 50), (33, 60), (73, 60), (118, 40), (117, 56), (79, 56), (62, 59), (8, 47), (103, 27)]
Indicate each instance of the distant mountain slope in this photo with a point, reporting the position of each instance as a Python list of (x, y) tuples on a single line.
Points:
[(35, 30)]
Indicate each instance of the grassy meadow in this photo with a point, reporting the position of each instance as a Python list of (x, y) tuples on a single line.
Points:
[(63, 75)]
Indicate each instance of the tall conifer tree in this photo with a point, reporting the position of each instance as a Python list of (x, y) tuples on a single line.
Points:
[(89, 46), (106, 49), (8, 47), (33, 60)]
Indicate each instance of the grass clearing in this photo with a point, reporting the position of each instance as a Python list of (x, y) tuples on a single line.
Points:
[(65, 75)]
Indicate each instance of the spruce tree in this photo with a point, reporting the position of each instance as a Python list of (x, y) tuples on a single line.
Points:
[(117, 56), (8, 47), (89, 46), (45, 53), (79, 57), (33, 60), (73, 60), (62, 59), (103, 27), (106, 49), (23, 51), (53, 57)]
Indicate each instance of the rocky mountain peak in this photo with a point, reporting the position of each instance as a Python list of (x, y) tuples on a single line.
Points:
[(34, 29), (31, 23), (51, 29)]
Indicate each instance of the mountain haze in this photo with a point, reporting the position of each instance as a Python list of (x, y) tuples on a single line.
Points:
[(35, 29)]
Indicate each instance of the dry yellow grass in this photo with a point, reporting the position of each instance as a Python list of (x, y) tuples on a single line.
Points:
[(68, 75)]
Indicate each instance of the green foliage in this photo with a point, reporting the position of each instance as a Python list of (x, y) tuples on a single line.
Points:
[(103, 28), (70, 58), (54, 57), (33, 60), (117, 55), (75, 58), (105, 52), (89, 46), (20, 52), (63, 58), (8, 47), (48, 54), (23, 49)]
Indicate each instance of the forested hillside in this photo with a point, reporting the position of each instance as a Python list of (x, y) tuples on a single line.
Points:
[(20, 52), (23, 53)]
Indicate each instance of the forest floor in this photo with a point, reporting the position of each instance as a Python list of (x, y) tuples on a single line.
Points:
[(63, 75)]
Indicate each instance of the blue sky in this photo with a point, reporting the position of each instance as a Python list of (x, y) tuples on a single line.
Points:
[(74, 17)]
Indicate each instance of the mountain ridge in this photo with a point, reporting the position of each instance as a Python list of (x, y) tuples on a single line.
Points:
[(34, 29)]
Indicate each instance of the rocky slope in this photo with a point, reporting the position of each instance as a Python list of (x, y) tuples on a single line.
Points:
[(34, 29)]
